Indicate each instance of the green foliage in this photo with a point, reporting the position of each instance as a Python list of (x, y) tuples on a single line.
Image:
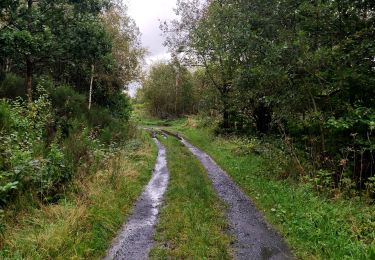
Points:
[(24, 165), (302, 70), (43, 142), (77, 145), (12, 86), (168, 90), (50, 142), (93, 209), (5, 116), (68, 104), (50, 47), (314, 226)]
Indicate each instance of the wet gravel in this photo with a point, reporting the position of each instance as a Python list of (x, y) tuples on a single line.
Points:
[(254, 238), (135, 239)]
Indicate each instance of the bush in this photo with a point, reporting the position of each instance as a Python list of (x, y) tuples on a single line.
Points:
[(77, 145), (120, 106), (21, 147), (100, 117), (12, 86), (43, 142), (28, 163), (55, 172), (5, 116), (68, 103)]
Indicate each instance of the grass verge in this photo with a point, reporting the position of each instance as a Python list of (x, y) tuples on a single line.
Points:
[(82, 225), (192, 224), (316, 227)]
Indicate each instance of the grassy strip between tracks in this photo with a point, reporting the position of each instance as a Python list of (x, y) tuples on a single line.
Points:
[(82, 225), (192, 223), (315, 226)]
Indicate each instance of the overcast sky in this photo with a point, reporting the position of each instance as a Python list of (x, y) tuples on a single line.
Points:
[(147, 14)]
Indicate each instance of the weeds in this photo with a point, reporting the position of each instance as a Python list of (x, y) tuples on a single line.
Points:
[(83, 222), (314, 225)]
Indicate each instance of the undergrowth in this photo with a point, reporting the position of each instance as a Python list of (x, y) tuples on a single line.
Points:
[(316, 223), (83, 222)]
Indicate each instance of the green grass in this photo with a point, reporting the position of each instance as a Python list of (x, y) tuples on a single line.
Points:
[(316, 227), (192, 225), (140, 116), (83, 224)]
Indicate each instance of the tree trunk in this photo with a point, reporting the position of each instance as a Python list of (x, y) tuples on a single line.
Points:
[(263, 118), (176, 93), (7, 65), (91, 82), (226, 114), (226, 118), (29, 64), (29, 79), (322, 137)]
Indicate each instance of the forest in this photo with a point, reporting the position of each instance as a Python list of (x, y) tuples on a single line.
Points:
[(300, 71), (64, 66), (255, 139)]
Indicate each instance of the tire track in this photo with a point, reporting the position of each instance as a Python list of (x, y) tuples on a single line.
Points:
[(255, 239), (136, 237)]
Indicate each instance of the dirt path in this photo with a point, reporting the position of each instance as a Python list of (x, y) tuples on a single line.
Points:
[(255, 239), (136, 237)]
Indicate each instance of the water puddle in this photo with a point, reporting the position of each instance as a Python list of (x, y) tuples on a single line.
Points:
[(136, 237)]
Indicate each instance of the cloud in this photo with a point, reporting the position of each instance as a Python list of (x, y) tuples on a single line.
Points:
[(132, 88), (147, 14)]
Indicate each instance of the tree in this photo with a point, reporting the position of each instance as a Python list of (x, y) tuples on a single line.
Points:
[(168, 90), (305, 68), (37, 32), (201, 35)]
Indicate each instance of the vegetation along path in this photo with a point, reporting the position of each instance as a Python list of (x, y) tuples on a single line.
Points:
[(136, 238), (255, 239)]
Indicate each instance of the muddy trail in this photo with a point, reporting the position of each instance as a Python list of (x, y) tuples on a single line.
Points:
[(136, 238), (254, 237)]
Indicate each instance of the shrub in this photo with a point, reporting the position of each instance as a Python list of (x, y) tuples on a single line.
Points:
[(68, 103), (5, 116), (42, 143), (54, 173), (27, 162), (100, 117), (12, 86), (77, 145)]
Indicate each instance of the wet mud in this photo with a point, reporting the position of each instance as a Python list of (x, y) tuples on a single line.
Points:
[(254, 238), (136, 238)]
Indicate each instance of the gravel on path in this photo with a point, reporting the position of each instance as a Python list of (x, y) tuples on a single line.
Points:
[(136, 238), (255, 239)]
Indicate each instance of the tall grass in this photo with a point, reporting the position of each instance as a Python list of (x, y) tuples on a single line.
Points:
[(316, 226), (83, 223)]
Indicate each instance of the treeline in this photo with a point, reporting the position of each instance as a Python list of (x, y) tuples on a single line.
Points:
[(304, 70), (64, 66), (167, 90), (171, 90)]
